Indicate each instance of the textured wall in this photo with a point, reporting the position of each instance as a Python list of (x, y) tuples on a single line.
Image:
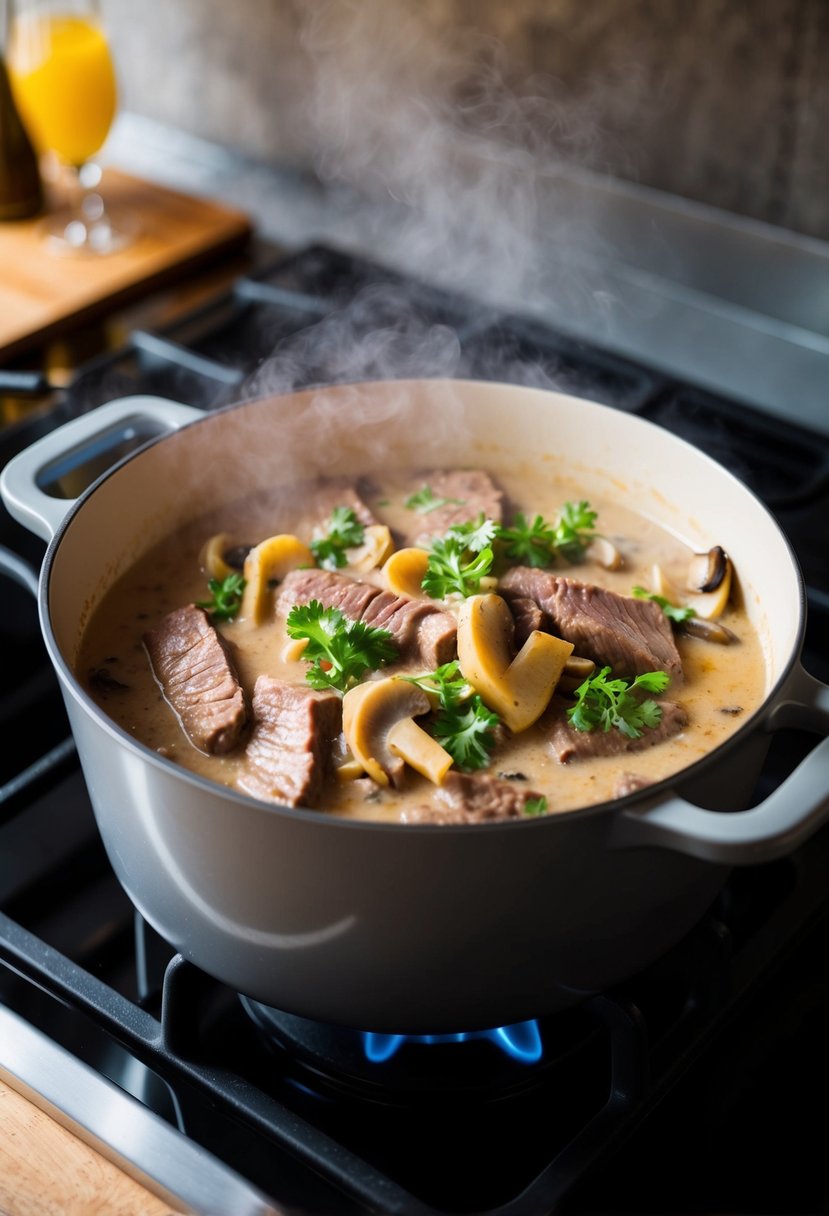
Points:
[(720, 100)]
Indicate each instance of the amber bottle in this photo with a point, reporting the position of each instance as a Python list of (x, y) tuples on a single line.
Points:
[(21, 191)]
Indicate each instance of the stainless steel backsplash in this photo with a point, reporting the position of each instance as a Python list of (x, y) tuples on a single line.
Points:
[(722, 101)]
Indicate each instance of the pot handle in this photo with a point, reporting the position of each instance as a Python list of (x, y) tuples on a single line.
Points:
[(112, 429), (796, 809)]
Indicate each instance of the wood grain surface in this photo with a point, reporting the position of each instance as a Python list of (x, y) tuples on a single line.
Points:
[(43, 294), (47, 1171)]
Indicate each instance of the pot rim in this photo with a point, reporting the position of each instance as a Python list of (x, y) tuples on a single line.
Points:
[(651, 793)]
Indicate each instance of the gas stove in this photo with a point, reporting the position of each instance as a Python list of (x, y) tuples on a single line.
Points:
[(689, 1087)]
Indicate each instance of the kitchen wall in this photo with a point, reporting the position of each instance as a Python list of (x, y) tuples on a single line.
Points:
[(725, 101)]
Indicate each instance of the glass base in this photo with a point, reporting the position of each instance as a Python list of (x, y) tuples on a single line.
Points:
[(87, 231)]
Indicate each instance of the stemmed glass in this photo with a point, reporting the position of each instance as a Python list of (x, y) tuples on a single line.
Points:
[(64, 84)]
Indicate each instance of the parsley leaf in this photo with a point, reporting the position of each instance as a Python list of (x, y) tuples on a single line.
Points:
[(449, 570), (573, 530), (537, 542), (340, 651), (426, 500), (672, 611), (530, 542), (463, 724), (602, 704), (536, 806), (446, 685), (477, 534), (344, 532), (467, 733), (226, 597), (460, 559)]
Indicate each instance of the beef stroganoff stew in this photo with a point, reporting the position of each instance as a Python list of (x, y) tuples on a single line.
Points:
[(429, 646)]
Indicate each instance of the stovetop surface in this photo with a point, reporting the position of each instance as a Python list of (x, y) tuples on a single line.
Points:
[(688, 1088)]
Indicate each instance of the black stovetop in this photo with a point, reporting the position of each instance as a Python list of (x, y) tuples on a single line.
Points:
[(691, 1087)]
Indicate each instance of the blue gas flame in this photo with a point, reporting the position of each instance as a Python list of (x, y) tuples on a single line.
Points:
[(520, 1042)]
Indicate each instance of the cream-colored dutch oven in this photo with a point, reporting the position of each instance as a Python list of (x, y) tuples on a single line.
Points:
[(417, 928)]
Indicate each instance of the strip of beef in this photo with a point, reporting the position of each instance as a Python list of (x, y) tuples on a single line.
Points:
[(340, 492), (423, 632), (294, 728), (571, 744), (527, 617), (470, 493), (194, 670), (473, 798), (631, 635)]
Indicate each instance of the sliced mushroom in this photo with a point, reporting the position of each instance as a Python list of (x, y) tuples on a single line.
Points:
[(212, 556), (576, 671), (707, 570), (420, 751), (348, 770), (519, 688), (345, 767), (706, 604), (709, 631), (662, 585), (379, 727), (376, 547), (403, 572), (604, 552), (710, 576), (293, 650), (270, 561)]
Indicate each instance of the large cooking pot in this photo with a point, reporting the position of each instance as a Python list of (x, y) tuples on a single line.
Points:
[(415, 928)]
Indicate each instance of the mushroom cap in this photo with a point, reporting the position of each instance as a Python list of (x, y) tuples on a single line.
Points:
[(271, 559), (711, 572), (369, 712), (376, 547), (518, 688), (604, 552), (212, 556), (707, 570), (404, 571)]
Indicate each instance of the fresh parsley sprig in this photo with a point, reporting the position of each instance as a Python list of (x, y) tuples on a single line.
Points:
[(463, 725), (340, 651), (574, 529), (425, 500), (467, 732), (445, 686), (536, 806), (602, 704), (344, 532), (226, 597), (672, 611), (460, 559), (530, 541), (538, 542)]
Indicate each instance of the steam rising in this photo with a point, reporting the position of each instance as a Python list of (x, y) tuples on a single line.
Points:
[(444, 172), (405, 108)]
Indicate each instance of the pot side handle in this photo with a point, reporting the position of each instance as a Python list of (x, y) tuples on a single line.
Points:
[(100, 438), (773, 828)]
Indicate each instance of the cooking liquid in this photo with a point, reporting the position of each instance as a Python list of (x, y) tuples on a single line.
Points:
[(723, 685), (64, 83)]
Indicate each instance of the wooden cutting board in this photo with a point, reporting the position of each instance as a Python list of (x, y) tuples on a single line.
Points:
[(43, 294), (45, 1170)]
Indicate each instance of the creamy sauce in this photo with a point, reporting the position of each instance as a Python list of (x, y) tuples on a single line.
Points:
[(723, 685)]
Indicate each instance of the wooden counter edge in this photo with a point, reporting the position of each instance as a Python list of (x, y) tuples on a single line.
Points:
[(45, 1168)]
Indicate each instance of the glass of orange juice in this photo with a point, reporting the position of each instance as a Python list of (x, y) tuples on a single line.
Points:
[(64, 84)]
